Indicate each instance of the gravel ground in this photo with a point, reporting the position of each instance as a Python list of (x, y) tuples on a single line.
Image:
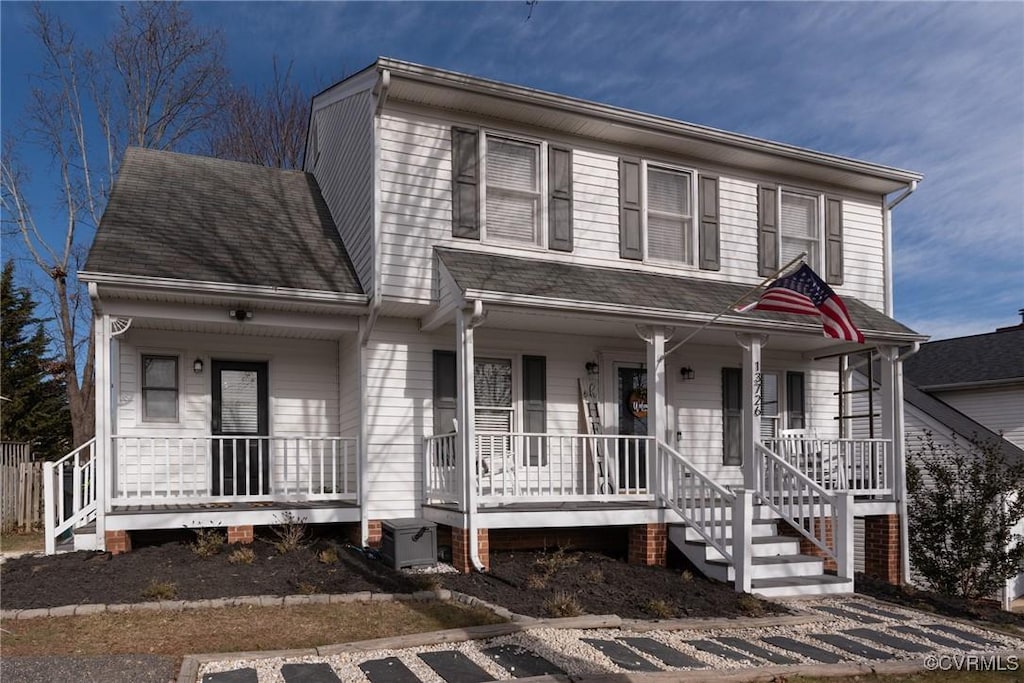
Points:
[(565, 649)]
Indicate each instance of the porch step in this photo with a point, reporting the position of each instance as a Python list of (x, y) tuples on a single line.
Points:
[(795, 586), (760, 528), (777, 567), (85, 537), (760, 546)]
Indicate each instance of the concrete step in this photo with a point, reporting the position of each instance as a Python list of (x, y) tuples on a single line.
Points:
[(798, 586)]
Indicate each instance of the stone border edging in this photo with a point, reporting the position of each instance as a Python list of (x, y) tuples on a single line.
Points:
[(441, 594)]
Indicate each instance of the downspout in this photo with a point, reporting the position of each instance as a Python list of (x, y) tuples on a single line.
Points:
[(102, 452), (468, 428), (887, 232), (366, 328)]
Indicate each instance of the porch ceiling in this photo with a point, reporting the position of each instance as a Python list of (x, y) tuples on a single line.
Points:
[(616, 299)]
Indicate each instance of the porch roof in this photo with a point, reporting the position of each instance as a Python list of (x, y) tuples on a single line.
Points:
[(193, 218), (557, 284)]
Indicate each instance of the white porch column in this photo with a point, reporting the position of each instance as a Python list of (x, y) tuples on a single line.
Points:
[(752, 379), (465, 411), (894, 430), (104, 452), (657, 411)]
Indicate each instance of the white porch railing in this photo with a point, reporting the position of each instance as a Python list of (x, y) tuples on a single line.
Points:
[(80, 467), (823, 517), (527, 467), (861, 466), (159, 470), (705, 505)]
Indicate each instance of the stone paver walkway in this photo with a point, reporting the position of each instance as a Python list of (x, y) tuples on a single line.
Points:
[(840, 630)]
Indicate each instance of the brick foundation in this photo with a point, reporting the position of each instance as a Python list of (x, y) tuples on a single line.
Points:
[(461, 549), (117, 542), (240, 534), (808, 548), (648, 544), (882, 548), (354, 534), (601, 538)]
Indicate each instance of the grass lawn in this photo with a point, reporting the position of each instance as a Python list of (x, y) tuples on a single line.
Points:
[(232, 629), (923, 677), (22, 541)]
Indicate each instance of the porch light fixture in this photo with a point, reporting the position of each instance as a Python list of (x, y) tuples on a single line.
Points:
[(686, 372), (591, 367), (197, 366)]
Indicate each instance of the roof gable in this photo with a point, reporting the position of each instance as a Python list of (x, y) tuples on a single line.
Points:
[(996, 357)]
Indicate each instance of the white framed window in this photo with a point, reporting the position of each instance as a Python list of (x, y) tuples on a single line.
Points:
[(492, 390), (513, 188), (668, 210), (800, 226), (159, 388), (769, 405)]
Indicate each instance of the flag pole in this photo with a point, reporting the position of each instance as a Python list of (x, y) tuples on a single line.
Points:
[(736, 303)]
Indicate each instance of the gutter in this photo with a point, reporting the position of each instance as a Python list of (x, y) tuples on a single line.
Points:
[(887, 247), (901, 469), (475, 320)]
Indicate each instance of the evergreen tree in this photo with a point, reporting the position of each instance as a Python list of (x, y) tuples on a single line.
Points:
[(34, 405)]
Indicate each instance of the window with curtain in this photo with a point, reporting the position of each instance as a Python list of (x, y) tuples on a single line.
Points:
[(159, 388), (493, 390), (669, 215), (799, 228), (512, 191)]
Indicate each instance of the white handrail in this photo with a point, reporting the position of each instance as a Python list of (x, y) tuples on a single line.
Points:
[(863, 466), (57, 519), (441, 480), (796, 498), (702, 503)]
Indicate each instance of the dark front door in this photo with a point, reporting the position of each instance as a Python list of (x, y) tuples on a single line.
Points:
[(631, 385), (241, 453)]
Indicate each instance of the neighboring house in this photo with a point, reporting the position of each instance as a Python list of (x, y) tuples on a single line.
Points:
[(464, 310), (970, 388)]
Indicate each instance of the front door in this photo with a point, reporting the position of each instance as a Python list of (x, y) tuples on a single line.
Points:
[(241, 453), (631, 392)]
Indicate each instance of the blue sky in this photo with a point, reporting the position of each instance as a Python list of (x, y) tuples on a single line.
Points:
[(931, 87)]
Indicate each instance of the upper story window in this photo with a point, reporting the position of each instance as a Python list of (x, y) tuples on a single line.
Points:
[(159, 388), (669, 215), (792, 221), (512, 208), (511, 191), (800, 227)]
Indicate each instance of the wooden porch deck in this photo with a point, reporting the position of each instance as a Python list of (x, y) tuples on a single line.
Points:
[(226, 513)]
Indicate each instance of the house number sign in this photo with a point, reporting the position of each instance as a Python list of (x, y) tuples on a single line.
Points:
[(758, 392)]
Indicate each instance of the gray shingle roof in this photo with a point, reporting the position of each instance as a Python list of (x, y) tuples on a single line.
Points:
[(486, 272), (195, 218), (992, 357)]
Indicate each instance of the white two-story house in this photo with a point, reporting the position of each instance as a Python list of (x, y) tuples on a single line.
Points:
[(507, 312)]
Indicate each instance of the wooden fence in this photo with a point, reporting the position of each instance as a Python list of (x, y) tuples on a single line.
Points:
[(21, 487)]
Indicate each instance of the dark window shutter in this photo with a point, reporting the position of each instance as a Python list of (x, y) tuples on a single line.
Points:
[(445, 391), (708, 235), (732, 416), (630, 239), (465, 179), (834, 240), (535, 406), (559, 199), (795, 400), (767, 230)]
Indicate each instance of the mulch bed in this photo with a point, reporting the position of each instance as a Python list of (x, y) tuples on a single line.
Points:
[(559, 583), (97, 577)]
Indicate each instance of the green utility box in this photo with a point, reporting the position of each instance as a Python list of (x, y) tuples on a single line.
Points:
[(408, 542)]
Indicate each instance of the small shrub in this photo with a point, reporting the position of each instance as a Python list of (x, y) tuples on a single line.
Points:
[(160, 590), (328, 556), (428, 582), (537, 581), (659, 609), (686, 576), (291, 534), (563, 605), (242, 556), (306, 588), (551, 564), (595, 576), (208, 542), (750, 605)]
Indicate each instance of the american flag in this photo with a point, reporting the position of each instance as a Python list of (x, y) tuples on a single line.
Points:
[(805, 293)]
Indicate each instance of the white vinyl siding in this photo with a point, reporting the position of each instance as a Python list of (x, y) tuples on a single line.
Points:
[(999, 409), (669, 215), (416, 213), (512, 190), (344, 173)]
